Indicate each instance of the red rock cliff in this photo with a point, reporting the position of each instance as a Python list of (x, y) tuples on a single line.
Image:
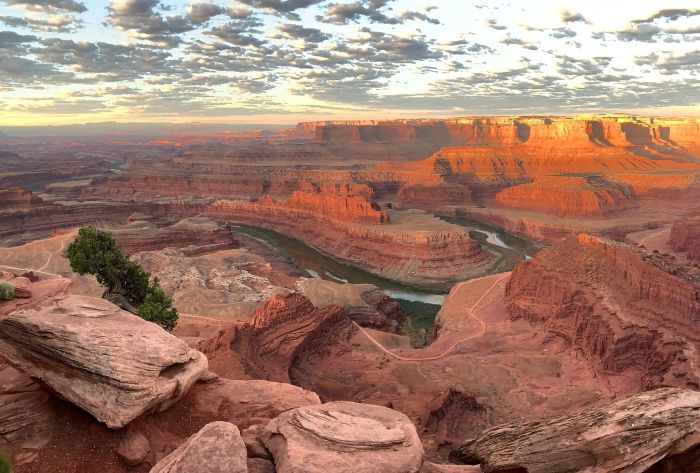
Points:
[(626, 314), (685, 236)]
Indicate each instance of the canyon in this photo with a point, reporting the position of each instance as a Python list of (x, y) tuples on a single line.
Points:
[(417, 295)]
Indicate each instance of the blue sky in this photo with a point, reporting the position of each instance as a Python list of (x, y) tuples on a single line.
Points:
[(282, 61)]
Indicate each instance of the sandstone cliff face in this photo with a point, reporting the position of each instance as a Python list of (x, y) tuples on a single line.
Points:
[(280, 330), (685, 236), (568, 196), (340, 229), (626, 315), (487, 155)]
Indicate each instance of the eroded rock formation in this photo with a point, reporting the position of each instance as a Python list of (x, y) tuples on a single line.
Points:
[(652, 429), (685, 236), (344, 437), (622, 309), (424, 258), (111, 363), (280, 330)]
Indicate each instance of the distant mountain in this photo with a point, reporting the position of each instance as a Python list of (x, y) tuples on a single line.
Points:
[(115, 130)]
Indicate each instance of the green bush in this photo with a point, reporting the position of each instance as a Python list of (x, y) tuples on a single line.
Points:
[(96, 252), (158, 307), (5, 466), (7, 291)]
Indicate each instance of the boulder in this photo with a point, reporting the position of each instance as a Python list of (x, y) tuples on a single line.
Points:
[(248, 402), (111, 363), (659, 428), (133, 447), (344, 437), (254, 446), (216, 448)]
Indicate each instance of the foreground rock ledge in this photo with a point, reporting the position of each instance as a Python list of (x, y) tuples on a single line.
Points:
[(343, 437), (660, 427), (105, 360)]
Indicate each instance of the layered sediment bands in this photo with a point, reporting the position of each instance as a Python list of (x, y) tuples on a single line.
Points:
[(685, 236), (335, 207), (486, 155), (418, 258), (17, 198), (199, 234), (652, 431), (282, 329), (453, 416), (622, 309), (568, 196)]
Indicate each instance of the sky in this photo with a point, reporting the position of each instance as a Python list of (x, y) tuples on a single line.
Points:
[(284, 61)]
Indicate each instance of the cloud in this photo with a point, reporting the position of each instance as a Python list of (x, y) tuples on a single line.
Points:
[(572, 17), (199, 13), (50, 5), (145, 18), (55, 23), (640, 32), (309, 35), (671, 14), (281, 6), (518, 42)]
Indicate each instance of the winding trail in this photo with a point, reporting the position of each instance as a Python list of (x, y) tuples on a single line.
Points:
[(649, 237), (470, 313)]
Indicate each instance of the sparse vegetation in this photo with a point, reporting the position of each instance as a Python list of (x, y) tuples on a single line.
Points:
[(5, 466), (421, 319), (96, 252), (7, 292)]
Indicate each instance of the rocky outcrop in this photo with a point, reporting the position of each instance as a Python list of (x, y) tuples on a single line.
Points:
[(568, 196), (26, 418), (652, 431), (685, 236), (344, 437), (622, 309), (194, 235), (18, 198), (452, 416), (111, 363), (217, 448), (280, 330)]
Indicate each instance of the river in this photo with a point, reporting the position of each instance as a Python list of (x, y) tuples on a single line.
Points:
[(318, 265)]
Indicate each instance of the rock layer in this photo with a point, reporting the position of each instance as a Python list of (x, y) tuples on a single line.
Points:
[(652, 429), (280, 330), (107, 361), (620, 308), (685, 236)]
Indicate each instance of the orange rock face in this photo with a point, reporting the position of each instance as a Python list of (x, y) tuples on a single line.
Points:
[(568, 196), (685, 236), (487, 156), (342, 208), (631, 318)]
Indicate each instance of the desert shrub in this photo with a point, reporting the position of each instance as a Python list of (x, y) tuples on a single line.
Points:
[(5, 466), (157, 307), (98, 253), (7, 291)]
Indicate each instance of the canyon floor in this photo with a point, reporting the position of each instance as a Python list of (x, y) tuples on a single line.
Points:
[(462, 274)]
